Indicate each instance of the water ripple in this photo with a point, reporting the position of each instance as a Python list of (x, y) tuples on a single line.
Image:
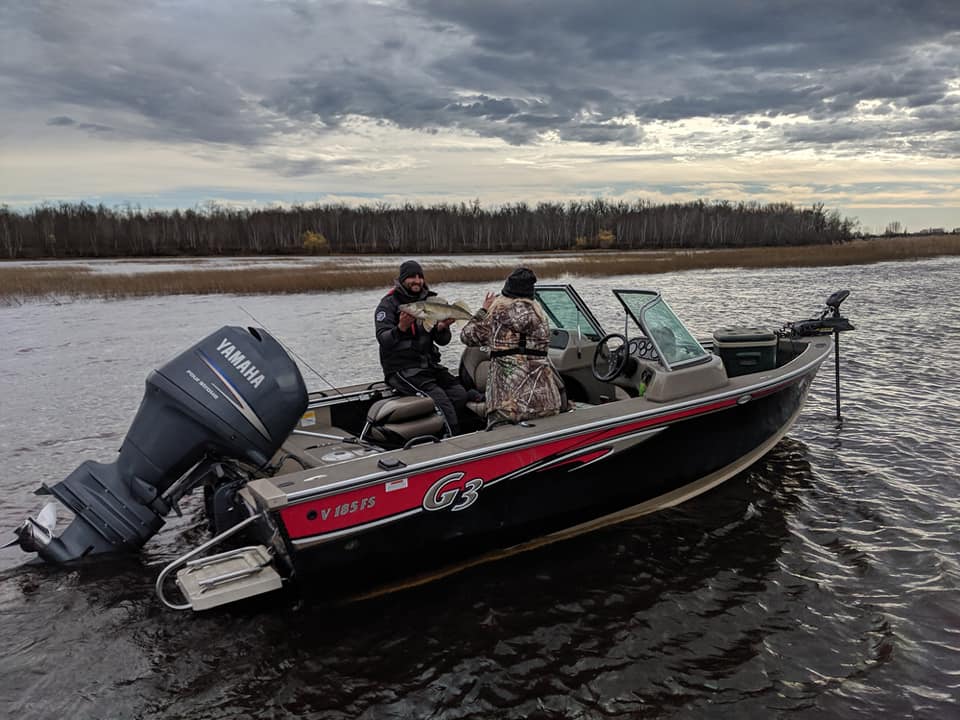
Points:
[(821, 582)]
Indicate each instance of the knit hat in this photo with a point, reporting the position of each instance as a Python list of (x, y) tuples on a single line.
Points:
[(408, 269), (520, 284)]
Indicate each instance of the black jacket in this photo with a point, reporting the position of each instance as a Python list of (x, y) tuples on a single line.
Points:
[(416, 348)]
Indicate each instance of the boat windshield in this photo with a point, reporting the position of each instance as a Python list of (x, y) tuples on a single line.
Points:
[(675, 344), (567, 311)]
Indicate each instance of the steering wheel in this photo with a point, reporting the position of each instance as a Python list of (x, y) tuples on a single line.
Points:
[(609, 360)]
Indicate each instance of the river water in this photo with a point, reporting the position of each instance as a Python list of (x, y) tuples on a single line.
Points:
[(823, 582)]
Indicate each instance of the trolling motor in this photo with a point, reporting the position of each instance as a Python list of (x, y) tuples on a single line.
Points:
[(235, 394), (830, 321)]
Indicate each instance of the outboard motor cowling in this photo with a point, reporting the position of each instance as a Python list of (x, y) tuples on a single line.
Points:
[(234, 394)]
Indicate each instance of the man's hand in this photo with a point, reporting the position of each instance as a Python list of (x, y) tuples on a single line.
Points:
[(406, 321), (444, 324)]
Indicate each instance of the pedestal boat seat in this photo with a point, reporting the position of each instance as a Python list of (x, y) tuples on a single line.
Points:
[(395, 421)]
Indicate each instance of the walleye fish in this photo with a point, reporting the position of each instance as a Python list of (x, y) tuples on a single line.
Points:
[(434, 309)]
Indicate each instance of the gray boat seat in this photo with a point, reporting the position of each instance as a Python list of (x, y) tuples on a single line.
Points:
[(475, 368), (395, 420)]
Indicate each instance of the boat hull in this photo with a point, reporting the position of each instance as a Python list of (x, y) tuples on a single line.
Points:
[(506, 502)]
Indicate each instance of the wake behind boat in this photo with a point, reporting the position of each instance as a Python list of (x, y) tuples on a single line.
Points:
[(359, 486)]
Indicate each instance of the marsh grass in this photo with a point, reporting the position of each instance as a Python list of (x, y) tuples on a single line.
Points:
[(21, 284)]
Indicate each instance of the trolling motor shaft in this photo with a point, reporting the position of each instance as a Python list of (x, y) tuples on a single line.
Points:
[(829, 322)]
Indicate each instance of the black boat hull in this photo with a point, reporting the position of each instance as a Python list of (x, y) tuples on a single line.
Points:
[(668, 460)]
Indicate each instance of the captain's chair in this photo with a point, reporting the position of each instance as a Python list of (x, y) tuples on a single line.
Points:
[(394, 421)]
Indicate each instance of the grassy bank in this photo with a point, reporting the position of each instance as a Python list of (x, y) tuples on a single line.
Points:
[(22, 284)]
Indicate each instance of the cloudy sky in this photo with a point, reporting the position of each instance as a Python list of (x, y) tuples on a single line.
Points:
[(173, 103)]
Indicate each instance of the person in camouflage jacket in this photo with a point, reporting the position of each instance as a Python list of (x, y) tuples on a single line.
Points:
[(522, 383)]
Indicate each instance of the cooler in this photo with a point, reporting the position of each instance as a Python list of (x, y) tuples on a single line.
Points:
[(746, 349)]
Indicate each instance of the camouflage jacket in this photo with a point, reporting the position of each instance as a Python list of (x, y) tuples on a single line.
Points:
[(519, 386)]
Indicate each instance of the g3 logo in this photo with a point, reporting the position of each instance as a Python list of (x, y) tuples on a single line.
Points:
[(441, 495)]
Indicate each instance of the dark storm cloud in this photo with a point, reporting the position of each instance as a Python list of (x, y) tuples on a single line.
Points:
[(290, 168), (64, 121), (123, 62), (244, 72), (725, 59)]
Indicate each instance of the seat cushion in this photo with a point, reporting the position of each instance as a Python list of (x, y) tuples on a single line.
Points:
[(395, 420), (400, 409), (398, 433), (474, 368), (481, 374)]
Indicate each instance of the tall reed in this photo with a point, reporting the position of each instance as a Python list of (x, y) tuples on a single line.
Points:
[(37, 282)]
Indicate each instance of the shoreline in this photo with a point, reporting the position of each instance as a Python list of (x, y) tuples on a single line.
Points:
[(31, 281)]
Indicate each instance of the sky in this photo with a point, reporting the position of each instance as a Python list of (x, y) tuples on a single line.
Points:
[(166, 104)]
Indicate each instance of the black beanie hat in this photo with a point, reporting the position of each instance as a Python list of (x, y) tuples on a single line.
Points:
[(520, 284), (408, 269)]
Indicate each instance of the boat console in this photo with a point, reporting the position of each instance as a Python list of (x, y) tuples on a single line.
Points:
[(660, 360)]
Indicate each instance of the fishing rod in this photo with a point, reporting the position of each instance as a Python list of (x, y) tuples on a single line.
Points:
[(291, 351)]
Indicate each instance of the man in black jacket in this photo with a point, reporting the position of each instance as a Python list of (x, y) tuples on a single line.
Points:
[(409, 353)]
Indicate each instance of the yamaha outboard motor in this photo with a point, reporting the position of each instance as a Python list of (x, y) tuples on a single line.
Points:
[(235, 394)]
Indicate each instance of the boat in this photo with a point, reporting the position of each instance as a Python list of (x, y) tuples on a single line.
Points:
[(360, 488)]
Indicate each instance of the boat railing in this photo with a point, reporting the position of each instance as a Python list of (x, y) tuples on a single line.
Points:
[(374, 391)]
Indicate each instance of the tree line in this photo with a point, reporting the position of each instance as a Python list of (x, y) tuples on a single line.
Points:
[(73, 230)]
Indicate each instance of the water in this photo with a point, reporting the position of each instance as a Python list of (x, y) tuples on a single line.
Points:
[(821, 583), (131, 266)]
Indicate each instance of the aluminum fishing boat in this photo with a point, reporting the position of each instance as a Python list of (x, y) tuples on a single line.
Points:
[(361, 487)]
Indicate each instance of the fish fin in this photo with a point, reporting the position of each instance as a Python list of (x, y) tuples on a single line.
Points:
[(462, 304), (428, 323)]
